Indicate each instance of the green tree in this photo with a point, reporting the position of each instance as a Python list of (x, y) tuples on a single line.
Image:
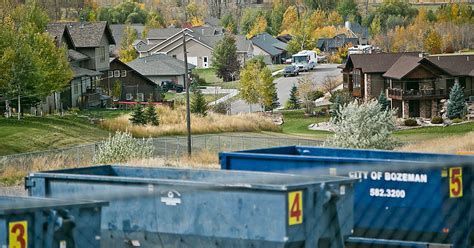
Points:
[(155, 20), (348, 8), (383, 101), (138, 115), (229, 23), (31, 66), (248, 19), (293, 101), (150, 114), (375, 27), (335, 106), (224, 58), (276, 17), (248, 85), (268, 91), (117, 90), (456, 104), (198, 103)]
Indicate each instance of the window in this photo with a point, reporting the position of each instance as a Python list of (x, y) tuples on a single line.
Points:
[(102, 54), (123, 73), (117, 73), (174, 55), (129, 96), (356, 78), (111, 74), (140, 97), (75, 89)]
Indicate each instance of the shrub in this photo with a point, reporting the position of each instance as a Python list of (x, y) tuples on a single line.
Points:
[(410, 123), (221, 108), (457, 120), (122, 147), (437, 120), (316, 94), (344, 94), (363, 126)]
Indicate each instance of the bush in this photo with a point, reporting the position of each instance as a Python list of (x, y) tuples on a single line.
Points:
[(457, 120), (410, 123), (437, 120), (344, 94), (316, 94), (363, 126), (221, 108), (122, 147)]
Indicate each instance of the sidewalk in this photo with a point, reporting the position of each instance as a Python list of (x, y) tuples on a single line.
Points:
[(218, 90)]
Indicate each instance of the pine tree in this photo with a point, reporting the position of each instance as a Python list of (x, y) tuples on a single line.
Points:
[(150, 114), (338, 102), (198, 103), (383, 101), (224, 58), (456, 103), (138, 116), (293, 102)]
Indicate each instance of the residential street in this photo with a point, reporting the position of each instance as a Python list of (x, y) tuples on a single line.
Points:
[(284, 86)]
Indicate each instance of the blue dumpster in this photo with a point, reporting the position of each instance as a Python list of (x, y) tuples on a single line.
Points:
[(49, 223), (163, 207), (403, 198)]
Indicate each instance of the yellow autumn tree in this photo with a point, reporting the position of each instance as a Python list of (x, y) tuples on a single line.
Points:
[(258, 27), (197, 21), (334, 18), (290, 17), (432, 42), (324, 32), (317, 19)]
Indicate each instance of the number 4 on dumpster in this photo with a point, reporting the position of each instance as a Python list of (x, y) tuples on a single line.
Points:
[(455, 182), (18, 234), (295, 208)]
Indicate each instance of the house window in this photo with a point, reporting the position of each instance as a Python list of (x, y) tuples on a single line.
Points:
[(102, 54), (356, 78), (123, 73), (174, 55), (111, 74), (140, 97), (75, 89), (117, 73), (129, 96)]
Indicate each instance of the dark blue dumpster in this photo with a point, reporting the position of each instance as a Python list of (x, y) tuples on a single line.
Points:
[(403, 198), (49, 223), (162, 207)]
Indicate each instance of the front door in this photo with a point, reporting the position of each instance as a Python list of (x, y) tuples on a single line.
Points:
[(205, 62), (414, 108)]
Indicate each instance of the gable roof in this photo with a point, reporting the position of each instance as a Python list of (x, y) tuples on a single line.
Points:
[(406, 64), (159, 65), (359, 30), (87, 34), (456, 64), (374, 62), (58, 32), (76, 56), (336, 42), (80, 72), (117, 60), (269, 44), (212, 21)]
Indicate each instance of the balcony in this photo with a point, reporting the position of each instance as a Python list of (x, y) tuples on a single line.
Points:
[(400, 94)]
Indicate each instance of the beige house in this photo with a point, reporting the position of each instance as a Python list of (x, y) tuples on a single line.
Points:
[(200, 44)]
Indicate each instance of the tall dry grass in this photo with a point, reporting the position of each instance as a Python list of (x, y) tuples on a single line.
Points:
[(199, 160), (173, 122), (451, 144)]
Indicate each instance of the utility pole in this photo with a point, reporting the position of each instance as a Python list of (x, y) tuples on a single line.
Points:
[(187, 85)]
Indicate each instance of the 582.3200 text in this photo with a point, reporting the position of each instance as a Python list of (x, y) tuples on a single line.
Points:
[(392, 193)]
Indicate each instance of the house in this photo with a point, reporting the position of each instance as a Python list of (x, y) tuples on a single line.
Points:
[(358, 31), (272, 49), (200, 43), (89, 58), (131, 85), (414, 83), (331, 45), (160, 67)]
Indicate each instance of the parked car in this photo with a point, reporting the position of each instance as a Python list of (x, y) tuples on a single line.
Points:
[(170, 85), (291, 71), (287, 61)]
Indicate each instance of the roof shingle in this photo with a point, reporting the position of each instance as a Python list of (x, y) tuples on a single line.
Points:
[(87, 34), (159, 65)]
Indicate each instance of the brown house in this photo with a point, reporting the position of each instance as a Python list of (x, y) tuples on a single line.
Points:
[(413, 83), (126, 84)]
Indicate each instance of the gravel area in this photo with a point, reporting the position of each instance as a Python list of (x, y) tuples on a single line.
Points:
[(13, 190)]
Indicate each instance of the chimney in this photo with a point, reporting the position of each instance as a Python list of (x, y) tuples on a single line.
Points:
[(347, 24)]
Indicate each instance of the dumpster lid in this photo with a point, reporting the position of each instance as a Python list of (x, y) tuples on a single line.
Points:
[(17, 204), (194, 177)]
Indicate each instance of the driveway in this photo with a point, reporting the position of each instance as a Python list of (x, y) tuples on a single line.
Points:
[(284, 86)]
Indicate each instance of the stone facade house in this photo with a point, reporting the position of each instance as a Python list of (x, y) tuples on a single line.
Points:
[(414, 83)]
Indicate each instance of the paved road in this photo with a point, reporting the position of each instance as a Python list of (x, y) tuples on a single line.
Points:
[(284, 86)]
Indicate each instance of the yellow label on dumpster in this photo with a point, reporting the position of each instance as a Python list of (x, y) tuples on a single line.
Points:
[(295, 208), (18, 234), (455, 182)]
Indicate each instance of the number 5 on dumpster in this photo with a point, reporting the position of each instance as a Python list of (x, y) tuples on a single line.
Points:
[(455, 182), (295, 208), (18, 234)]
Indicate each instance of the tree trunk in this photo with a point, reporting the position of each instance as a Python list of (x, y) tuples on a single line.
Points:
[(19, 107)]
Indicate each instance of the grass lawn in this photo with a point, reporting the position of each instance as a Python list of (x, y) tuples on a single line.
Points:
[(103, 113), (296, 123), (43, 133), (209, 75), (424, 133)]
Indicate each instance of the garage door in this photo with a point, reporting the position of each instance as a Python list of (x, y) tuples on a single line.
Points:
[(193, 60)]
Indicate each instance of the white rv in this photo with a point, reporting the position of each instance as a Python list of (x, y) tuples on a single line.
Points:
[(305, 60), (360, 49)]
